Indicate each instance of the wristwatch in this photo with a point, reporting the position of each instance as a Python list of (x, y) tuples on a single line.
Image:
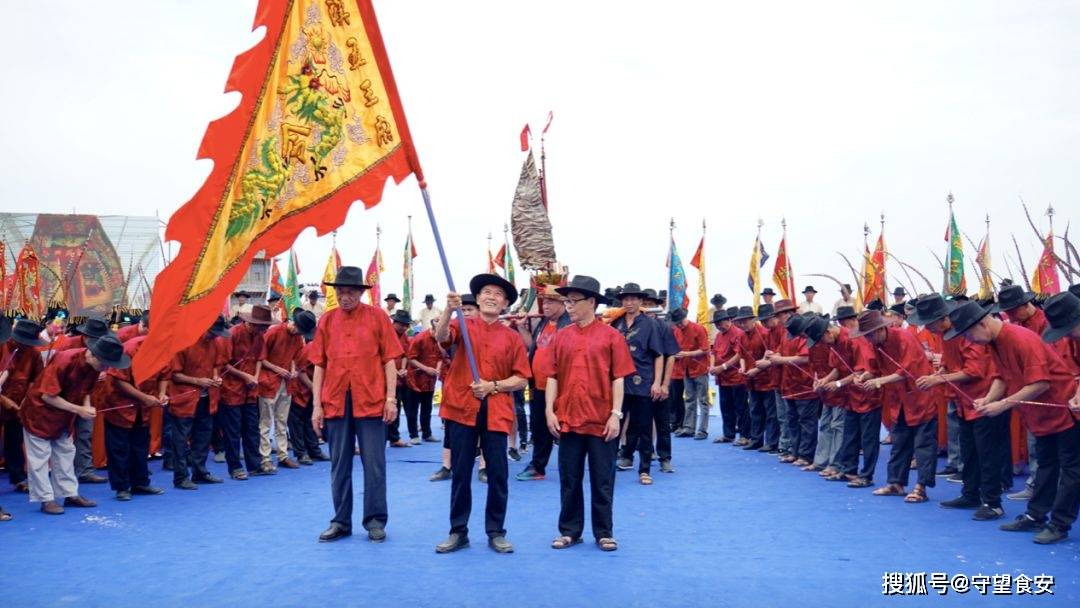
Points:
[(617, 414), (495, 384)]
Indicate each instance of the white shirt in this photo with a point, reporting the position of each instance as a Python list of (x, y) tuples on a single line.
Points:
[(318, 309), (427, 315), (842, 302), (809, 307)]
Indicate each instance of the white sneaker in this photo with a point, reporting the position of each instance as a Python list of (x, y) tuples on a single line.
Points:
[(415, 441)]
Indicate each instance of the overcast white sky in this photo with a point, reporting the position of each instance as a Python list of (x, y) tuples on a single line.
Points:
[(824, 113)]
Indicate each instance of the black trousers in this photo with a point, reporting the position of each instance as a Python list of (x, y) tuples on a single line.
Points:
[(393, 429), (240, 429), (861, 431), (302, 435), (190, 439), (762, 415), (541, 437), (802, 426), (661, 413), (574, 450), (418, 412), (14, 457), (1057, 481), (743, 423), (980, 451), (127, 450), (727, 411), (343, 434), (520, 419), (920, 441), (463, 440), (677, 404), (638, 410)]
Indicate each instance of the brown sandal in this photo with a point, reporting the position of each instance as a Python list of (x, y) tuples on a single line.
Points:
[(607, 544), (916, 496), (564, 542), (645, 479), (890, 490)]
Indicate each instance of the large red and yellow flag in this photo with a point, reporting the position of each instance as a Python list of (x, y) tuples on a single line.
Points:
[(783, 276), (319, 126), (698, 261), (1045, 278), (874, 273), (329, 274), (374, 278)]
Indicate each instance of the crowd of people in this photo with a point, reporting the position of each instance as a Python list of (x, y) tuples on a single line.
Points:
[(607, 375)]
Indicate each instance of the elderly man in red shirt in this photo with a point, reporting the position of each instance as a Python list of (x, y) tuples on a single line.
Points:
[(354, 391), (584, 410), (692, 368), (275, 370), (239, 419), (902, 359), (481, 409), (61, 393), (1035, 380)]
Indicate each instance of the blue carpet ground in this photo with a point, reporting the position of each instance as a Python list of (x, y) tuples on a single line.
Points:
[(729, 528)]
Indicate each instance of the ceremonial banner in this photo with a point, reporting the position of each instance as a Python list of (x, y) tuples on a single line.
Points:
[(276, 288), (25, 295), (329, 274), (319, 126), (698, 261), (955, 281), (676, 281), (81, 267), (753, 279), (874, 273), (373, 277), (529, 220), (986, 281), (292, 296), (783, 276), (407, 274), (508, 263), (1044, 280)]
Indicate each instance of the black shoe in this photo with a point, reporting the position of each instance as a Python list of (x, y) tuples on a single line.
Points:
[(1023, 523), (441, 475), (186, 484), (774, 451), (376, 535), (624, 464), (305, 460), (320, 457), (336, 531), (500, 544), (948, 471), (147, 491), (123, 495), (454, 542), (962, 502), (514, 454), (93, 478), (753, 446), (766, 448), (208, 478), (1051, 534), (955, 478), (988, 513)]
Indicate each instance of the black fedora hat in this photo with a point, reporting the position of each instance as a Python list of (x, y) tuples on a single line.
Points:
[(348, 276), (1075, 290), (631, 290), (93, 327), (814, 330), (765, 311), (305, 322), (109, 351), (745, 313), (468, 299), (678, 315), (1063, 313), (809, 289), (795, 325), (899, 292), (429, 298), (392, 297), (650, 295), (584, 285), (28, 333), (483, 280), (5, 329), (719, 316), (732, 312), (718, 300), (846, 312), (768, 291), (930, 308), (898, 309), (875, 304), (1012, 297), (401, 316), (220, 328), (964, 317)]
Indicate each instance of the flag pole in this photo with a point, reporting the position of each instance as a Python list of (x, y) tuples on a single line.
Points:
[(450, 282)]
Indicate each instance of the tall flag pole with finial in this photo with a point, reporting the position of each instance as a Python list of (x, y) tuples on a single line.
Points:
[(507, 256), (676, 275), (874, 268), (543, 161), (757, 261), (375, 270), (1044, 280), (698, 261), (955, 281), (982, 259), (783, 276), (407, 271)]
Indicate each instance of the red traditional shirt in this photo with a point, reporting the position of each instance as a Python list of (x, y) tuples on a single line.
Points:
[(128, 332), (68, 375), (500, 353), (282, 348), (864, 359), (403, 362), (820, 366), (424, 349), (353, 348), (842, 359), (691, 337), (1037, 322), (1022, 358), (752, 349), (725, 346), (199, 361), (24, 365), (796, 382), (542, 357), (904, 348), (301, 394), (248, 348), (586, 360), (125, 417), (963, 355)]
